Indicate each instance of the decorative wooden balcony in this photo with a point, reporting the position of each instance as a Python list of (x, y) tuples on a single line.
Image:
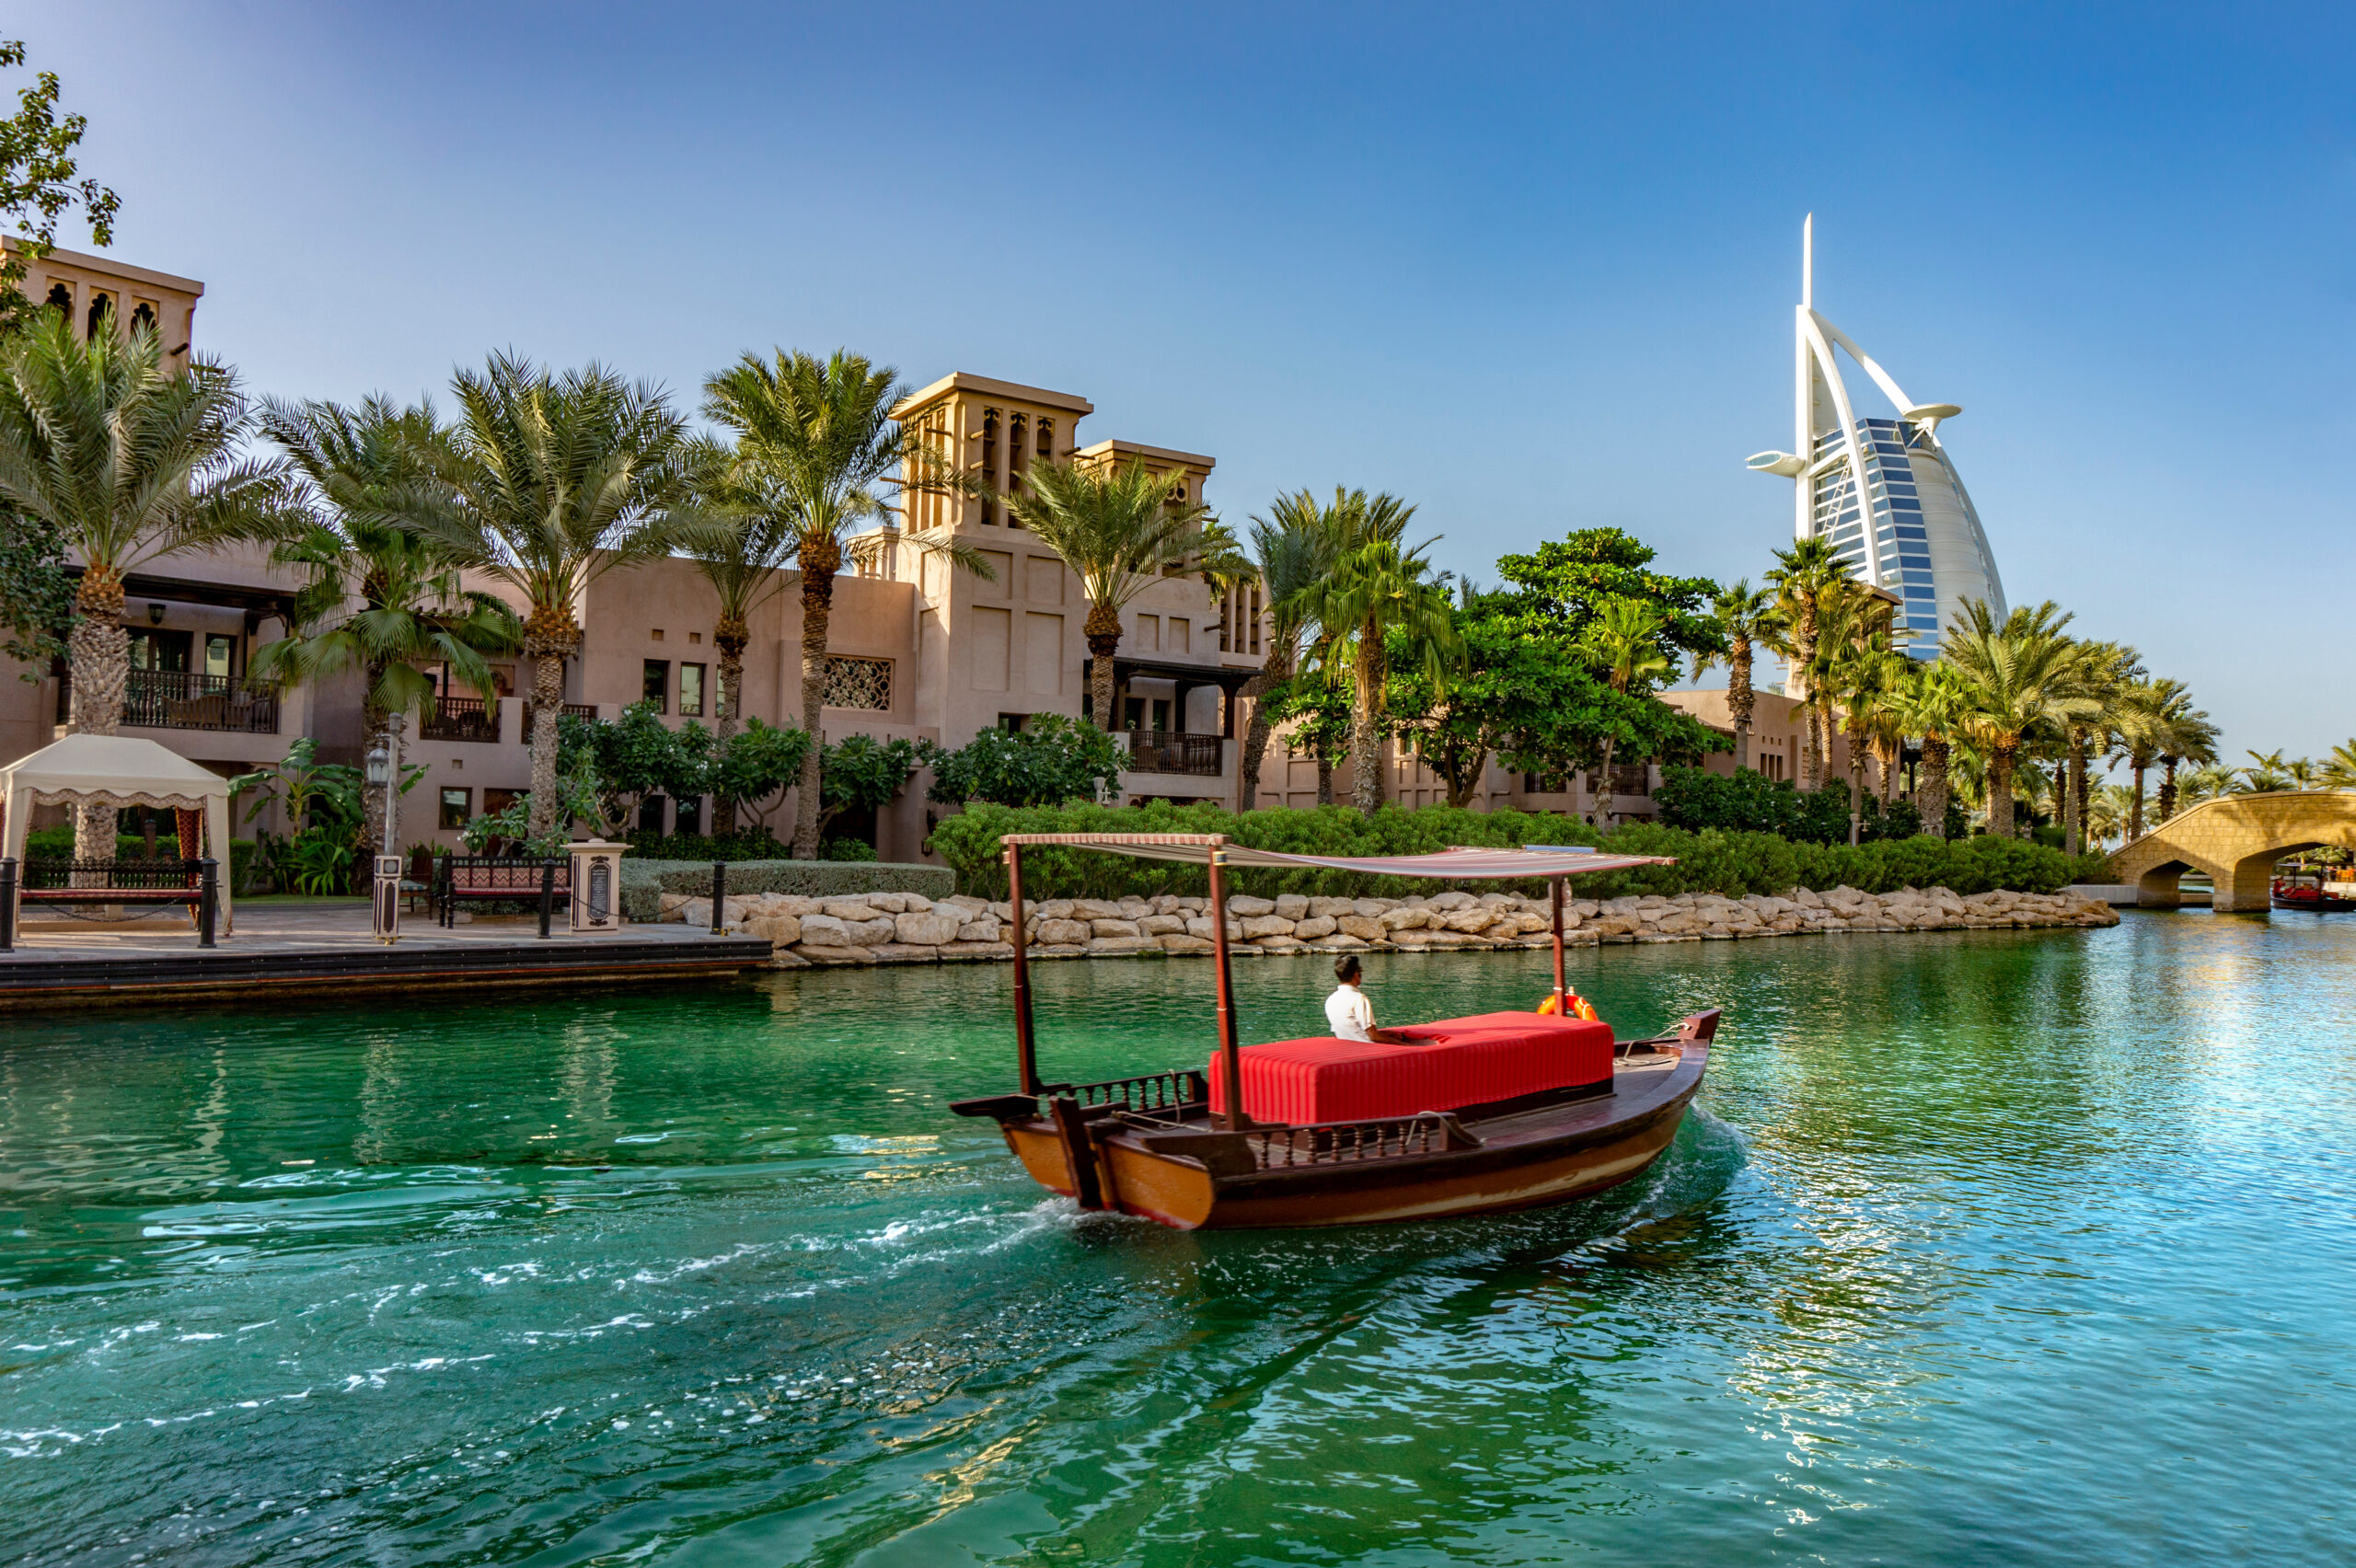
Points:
[(463, 718), (179, 700), (1166, 751)]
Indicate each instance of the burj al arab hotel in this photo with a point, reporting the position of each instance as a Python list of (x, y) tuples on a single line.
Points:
[(1884, 491)]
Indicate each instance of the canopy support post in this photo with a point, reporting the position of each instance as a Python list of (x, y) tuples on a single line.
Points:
[(1230, 1059), (1554, 887), (1026, 1051)]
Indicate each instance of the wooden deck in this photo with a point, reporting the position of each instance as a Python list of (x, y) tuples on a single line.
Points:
[(322, 950)]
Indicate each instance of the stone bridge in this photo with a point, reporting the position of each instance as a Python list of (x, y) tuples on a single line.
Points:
[(2237, 840)]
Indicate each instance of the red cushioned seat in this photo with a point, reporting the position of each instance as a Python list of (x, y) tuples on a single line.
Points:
[(1474, 1061)]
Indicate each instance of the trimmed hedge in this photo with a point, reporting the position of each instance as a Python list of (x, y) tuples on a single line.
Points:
[(1711, 861), (645, 882)]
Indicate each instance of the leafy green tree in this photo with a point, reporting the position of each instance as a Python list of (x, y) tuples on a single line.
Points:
[(1049, 761), (817, 455), (859, 773), (40, 181), (1376, 593), (1572, 580), (1744, 617), (756, 764), (36, 591), (1121, 529), (629, 757), (123, 460), (376, 599), (545, 483), (1293, 549)]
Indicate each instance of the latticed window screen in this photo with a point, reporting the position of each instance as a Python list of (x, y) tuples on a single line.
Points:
[(859, 683)]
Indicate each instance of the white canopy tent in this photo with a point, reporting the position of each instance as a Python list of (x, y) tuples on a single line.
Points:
[(115, 770)]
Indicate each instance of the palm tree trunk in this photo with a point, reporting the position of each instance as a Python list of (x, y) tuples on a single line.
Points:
[(1273, 674), (2073, 792), (1102, 632), (2000, 791), (730, 638), (1365, 743), (1324, 774), (1603, 785), (1803, 654), (376, 730), (1741, 699), (548, 707), (98, 654), (1931, 798), (1856, 788), (819, 563), (2135, 806), (2168, 790)]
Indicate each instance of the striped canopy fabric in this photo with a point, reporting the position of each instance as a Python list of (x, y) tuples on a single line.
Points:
[(1446, 865)]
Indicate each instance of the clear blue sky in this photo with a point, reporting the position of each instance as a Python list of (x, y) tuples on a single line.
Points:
[(1531, 270)]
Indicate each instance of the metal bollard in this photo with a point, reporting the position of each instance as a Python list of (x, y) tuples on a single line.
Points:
[(208, 899), (719, 893), (7, 903), (548, 896)]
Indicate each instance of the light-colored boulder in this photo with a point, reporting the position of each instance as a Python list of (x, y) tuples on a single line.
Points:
[(1058, 933), (1053, 909), (963, 952), (1120, 947), (1316, 926), (1185, 943), (1193, 905), (1372, 909), (825, 930), (871, 933), (928, 929), (1135, 908), (850, 909), (1281, 944), (1338, 943), (1471, 920), (988, 928), (1243, 905), (782, 959), (1114, 928), (1364, 927), (1095, 909), (1201, 926), (1291, 907), (825, 954), (906, 952), (1449, 901), (1498, 901), (1160, 924), (968, 903), (1258, 925), (778, 930), (1405, 917), (1336, 908)]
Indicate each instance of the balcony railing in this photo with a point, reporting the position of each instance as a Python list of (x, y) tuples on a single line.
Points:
[(463, 718), (179, 700), (578, 709), (1165, 751)]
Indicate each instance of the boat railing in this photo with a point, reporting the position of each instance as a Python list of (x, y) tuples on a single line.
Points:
[(1339, 1143), (1171, 1091)]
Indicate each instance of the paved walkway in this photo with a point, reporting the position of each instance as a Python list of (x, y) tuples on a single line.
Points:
[(300, 927)]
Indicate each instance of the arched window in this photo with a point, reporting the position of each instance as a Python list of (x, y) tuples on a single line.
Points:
[(989, 462), (101, 307), (142, 317), (60, 298)]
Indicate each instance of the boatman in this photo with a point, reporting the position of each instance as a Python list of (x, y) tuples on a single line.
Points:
[(1349, 1012)]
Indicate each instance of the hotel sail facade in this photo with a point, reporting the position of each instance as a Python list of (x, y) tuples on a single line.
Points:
[(1884, 491)]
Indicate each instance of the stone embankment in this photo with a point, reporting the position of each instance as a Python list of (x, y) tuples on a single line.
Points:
[(905, 928)]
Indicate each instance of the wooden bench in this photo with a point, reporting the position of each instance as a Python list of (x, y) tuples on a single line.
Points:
[(494, 877), (67, 882)]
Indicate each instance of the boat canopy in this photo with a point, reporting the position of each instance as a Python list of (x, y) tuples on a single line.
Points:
[(1454, 864)]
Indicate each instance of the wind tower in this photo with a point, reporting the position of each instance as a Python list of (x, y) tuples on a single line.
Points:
[(1884, 491)]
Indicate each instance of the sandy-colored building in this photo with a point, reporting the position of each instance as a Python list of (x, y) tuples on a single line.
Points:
[(916, 649)]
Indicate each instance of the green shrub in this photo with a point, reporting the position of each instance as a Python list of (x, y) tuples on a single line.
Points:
[(58, 842), (846, 850), (1712, 860), (754, 842), (1749, 802)]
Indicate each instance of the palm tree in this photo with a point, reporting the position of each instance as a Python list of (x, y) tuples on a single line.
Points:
[(2185, 736), (2266, 773), (1802, 578), (1293, 547), (377, 599), (1744, 616), (1627, 636), (2151, 712), (2023, 675), (547, 483), (2208, 781), (125, 460), (816, 440), (2339, 771), (1375, 591), (2105, 676), (1121, 529), (1934, 703)]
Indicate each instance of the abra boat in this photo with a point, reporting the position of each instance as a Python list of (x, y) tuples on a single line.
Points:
[(2304, 890), (1496, 1112)]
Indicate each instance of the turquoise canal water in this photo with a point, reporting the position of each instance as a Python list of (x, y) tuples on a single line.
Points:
[(1982, 1248)]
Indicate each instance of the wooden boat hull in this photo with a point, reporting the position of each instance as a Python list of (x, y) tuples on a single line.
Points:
[(1513, 1160)]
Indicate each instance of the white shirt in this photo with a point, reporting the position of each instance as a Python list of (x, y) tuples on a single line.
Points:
[(1349, 1012)]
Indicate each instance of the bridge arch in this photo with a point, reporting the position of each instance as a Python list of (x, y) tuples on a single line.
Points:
[(2235, 839)]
